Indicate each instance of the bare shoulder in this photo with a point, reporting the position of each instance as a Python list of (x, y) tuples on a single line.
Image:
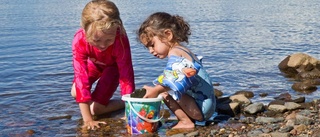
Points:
[(181, 52), (176, 52)]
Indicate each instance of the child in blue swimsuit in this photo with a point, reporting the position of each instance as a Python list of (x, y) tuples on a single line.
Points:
[(184, 84)]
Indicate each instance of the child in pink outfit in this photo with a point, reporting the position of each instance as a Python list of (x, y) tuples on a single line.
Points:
[(112, 66), (101, 52)]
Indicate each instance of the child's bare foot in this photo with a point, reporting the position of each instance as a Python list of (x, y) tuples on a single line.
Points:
[(183, 124)]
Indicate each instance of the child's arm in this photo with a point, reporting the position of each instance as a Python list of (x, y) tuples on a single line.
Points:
[(79, 61), (122, 54), (175, 78), (88, 121), (81, 79), (153, 92)]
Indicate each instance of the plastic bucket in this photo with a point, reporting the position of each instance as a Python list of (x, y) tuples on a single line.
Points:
[(142, 114)]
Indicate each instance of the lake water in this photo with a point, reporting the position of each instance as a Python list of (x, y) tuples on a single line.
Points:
[(242, 42)]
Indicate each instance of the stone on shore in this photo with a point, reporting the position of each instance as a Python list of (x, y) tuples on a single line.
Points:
[(304, 68)]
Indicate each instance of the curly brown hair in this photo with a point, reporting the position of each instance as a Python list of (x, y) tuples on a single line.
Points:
[(158, 22)]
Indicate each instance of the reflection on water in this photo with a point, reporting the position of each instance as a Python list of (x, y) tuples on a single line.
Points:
[(242, 42)]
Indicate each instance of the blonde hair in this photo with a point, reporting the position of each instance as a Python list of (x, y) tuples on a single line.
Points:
[(158, 22), (100, 15)]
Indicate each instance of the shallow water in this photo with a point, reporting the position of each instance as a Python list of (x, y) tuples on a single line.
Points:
[(242, 42)]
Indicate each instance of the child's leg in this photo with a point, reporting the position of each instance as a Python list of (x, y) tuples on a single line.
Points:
[(184, 120), (93, 73), (104, 90), (190, 107), (113, 105)]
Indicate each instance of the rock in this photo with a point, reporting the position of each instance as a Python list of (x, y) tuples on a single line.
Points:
[(216, 84), (30, 132), (60, 117), (240, 98), (291, 116), (264, 135), (277, 102), (254, 108), (291, 105), (247, 120), (288, 71), (263, 94), (278, 134), (271, 127), (277, 108), (270, 113), (192, 134), (247, 94), (300, 128), (316, 133), (223, 100), (299, 100), (301, 59), (300, 63), (217, 93), (231, 109), (178, 135), (255, 133), (304, 68), (268, 120), (284, 96), (304, 87), (290, 122), (223, 106), (285, 129), (235, 107), (313, 81), (308, 74), (306, 105), (303, 120)]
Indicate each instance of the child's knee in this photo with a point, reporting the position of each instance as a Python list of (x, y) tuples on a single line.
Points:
[(73, 91), (164, 94), (73, 94)]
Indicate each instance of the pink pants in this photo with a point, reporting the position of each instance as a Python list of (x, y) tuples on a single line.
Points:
[(107, 84)]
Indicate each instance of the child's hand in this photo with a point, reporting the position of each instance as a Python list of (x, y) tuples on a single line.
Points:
[(151, 92), (92, 124)]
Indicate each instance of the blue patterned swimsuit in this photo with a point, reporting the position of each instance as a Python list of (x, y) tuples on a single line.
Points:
[(198, 86)]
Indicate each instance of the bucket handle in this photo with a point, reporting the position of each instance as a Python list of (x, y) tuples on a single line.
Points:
[(145, 119)]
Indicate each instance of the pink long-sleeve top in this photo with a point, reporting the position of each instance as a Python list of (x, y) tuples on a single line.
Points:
[(118, 54)]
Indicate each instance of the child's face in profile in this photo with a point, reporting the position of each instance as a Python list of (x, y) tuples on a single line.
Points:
[(157, 47), (103, 39)]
